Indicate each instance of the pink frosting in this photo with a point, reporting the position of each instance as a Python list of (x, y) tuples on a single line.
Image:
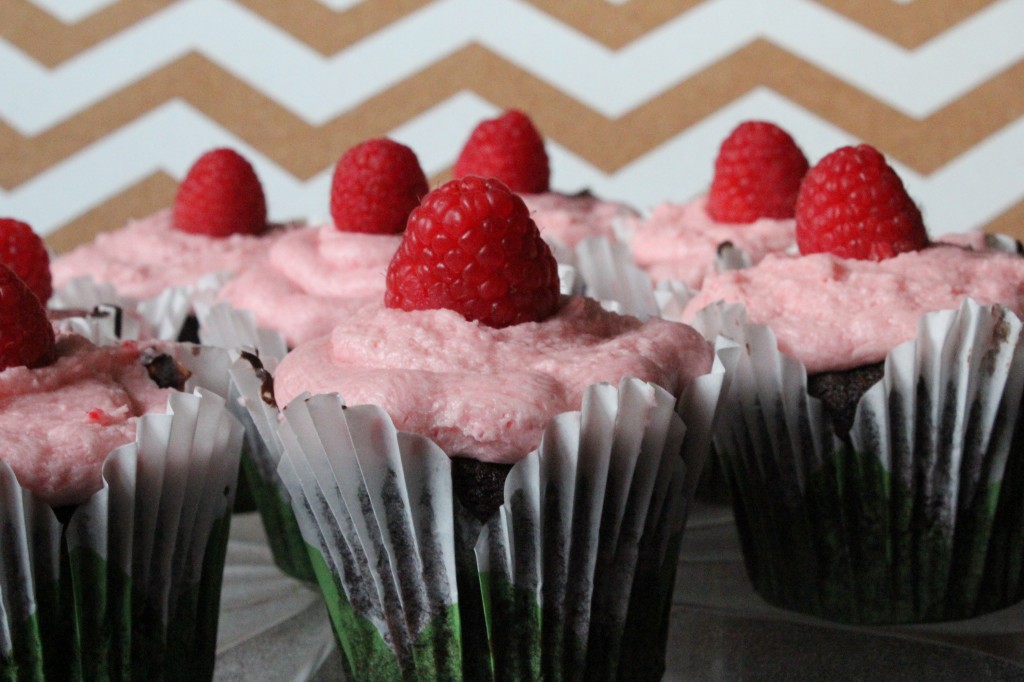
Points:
[(482, 392), (58, 423), (680, 241), (312, 279), (834, 313), (147, 256), (571, 218)]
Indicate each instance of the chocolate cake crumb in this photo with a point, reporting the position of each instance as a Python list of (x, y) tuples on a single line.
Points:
[(265, 377), (189, 330), (165, 371), (840, 392), (480, 486)]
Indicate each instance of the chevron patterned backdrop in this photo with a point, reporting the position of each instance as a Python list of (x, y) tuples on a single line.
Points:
[(104, 104)]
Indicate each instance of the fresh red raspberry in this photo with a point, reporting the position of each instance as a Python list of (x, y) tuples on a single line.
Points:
[(508, 148), (23, 251), (375, 186), (221, 196), (471, 247), (26, 337), (853, 205), (757, 174)]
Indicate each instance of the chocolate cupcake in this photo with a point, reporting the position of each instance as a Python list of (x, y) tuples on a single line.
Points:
[(750, 205), (420, 555), (115, 496), (869, 425)]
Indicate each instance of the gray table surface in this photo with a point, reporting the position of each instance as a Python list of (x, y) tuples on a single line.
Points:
[(275, 628)]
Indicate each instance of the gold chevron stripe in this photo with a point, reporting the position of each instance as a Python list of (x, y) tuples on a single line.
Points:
[(909, 25), (1010, 222), (614, 25), (50, 42), (326, 30), (141, 199), (304, 150)]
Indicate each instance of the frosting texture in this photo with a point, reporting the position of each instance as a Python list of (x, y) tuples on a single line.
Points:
[(834, 313), (488, 393), (58, 423), (571, 218), (311, 279), (147, 256), (680, 241)]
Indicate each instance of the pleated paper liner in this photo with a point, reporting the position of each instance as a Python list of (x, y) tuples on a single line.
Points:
[(573, 575), (918, 515), (129, 586), (224, 326), (162, 317), (252, 402)]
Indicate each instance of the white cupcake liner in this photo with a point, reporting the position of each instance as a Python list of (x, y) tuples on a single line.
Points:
[(103, 325), (917, 516), (224, 326), (252, 401), (128, 586), (585, 543), (610, 275), (161, 317)]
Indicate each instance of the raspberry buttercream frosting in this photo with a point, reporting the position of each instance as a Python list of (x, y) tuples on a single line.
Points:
[(571, 218), (834, 313), (680, 241), (148, 256), (313, 278), (482, 392), (58, 423)]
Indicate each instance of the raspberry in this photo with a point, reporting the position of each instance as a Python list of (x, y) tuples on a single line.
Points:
[(853, 205), (376, 184), (23, 251), (220, 196), (508, 148), (471, 247), (26, 337), (757, 174)]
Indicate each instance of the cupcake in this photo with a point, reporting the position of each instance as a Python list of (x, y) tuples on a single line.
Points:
[(510, 149), (869, 428), (311, 279), (498, 438), (217, 225), (750, 206), (115, 496)]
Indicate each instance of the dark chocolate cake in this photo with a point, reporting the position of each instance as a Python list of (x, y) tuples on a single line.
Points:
[(840, 392)]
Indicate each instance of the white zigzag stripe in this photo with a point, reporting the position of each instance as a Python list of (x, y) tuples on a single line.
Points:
[(613, 82), (967, 193)]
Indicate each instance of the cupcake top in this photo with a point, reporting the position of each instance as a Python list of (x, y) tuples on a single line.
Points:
[(571, 218), (836, 313), (218, 223), (312, 278), (750, 205), (59, 422), (680, 241), (868, 272), (483, 392), (148, 256), (474, 347)]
